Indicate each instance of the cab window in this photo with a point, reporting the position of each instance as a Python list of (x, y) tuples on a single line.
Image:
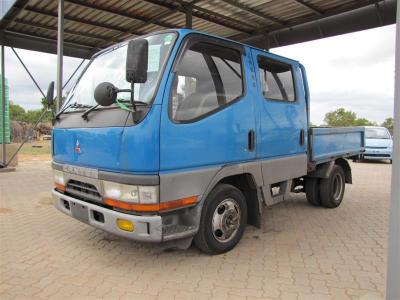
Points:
[(276, 79), (207, 78)]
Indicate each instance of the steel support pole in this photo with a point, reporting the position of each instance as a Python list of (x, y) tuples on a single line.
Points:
[(3, 103), (60, 48), (393, 275), (73, 73), (189, 17), (27, 71)]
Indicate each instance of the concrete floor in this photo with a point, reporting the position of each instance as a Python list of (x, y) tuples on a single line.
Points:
[(302, 252)]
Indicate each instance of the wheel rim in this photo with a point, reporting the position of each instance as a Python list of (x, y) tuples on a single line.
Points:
[(226, 220), (337, 187)]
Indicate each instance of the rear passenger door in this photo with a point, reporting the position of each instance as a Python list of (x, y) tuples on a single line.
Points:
[(207, 113), (281, 107)]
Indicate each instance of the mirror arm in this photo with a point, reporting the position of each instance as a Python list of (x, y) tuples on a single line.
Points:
[(132, 91), (132, 96)]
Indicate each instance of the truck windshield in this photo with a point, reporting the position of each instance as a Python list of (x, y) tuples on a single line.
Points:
[(377, 133), (110, 67)]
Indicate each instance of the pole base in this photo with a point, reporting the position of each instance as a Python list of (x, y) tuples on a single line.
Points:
[(7, 169)]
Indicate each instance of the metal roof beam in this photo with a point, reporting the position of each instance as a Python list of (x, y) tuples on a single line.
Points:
[(206, 15), (48, 45), (86, 22), (159, 16), (120, 13), (218, 15), (309, 7), (13, 13), (357, 19), (254, 11), (27, 34), (381, 4), (66, 31)]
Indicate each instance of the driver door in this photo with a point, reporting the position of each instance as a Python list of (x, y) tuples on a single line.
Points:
[(207, 116)]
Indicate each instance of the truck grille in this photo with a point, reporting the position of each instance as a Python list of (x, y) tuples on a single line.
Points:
[(83, 190)]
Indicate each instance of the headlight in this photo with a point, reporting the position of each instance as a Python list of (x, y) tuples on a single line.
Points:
[(130, 193), (58, 177)]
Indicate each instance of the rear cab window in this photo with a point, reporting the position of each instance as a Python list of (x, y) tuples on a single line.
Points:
[(276, 79), (208, 77)]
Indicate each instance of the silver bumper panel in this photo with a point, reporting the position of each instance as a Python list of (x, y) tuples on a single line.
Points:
[(147, 228)]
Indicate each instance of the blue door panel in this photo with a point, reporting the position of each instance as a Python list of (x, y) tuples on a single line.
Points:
[(218, 139), (279, 123)]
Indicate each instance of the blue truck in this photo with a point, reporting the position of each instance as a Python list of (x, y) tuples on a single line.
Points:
[(178, 137)]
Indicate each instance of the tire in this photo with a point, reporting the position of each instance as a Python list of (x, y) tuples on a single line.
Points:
[(312, 191), (332, 188), (218, 230)]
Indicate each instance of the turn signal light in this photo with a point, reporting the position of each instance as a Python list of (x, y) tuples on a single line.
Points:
[(152, 207), (59, 187)]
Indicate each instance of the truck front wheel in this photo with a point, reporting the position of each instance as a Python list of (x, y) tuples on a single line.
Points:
[(223, 220), (332, 188)]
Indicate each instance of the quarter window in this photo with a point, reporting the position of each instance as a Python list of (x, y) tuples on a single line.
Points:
[(276, 79), (207, 78)]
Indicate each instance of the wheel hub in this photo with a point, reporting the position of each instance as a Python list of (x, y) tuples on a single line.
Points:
[(226, 220)]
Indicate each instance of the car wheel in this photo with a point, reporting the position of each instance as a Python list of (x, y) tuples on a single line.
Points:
[(312, 191), (332, 188), (223, 220)]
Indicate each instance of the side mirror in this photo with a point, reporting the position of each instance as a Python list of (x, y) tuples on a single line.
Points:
[(137, 61), (50, 94), (105, 94)]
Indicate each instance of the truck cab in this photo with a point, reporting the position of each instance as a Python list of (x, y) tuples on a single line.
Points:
[(179, 136)]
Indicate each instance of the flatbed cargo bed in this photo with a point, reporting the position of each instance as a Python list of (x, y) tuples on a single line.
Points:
[(327, 143)]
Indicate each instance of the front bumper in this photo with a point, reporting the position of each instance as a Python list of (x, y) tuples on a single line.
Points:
[(377, 155), (147, 228)]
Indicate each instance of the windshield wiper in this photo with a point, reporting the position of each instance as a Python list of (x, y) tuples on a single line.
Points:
[(87, 112), (72, 105), (140, 103)]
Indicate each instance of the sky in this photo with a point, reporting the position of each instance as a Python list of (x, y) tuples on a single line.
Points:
[(354, 71)]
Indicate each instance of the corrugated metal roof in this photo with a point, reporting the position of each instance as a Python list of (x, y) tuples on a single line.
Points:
[(91, 25)]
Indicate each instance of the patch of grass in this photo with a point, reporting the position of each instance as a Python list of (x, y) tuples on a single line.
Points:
[(36, 148)]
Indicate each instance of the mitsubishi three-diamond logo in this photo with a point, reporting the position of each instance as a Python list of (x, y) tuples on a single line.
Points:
[(77, 147)]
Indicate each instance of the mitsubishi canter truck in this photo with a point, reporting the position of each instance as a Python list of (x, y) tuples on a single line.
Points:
[(178, 137)]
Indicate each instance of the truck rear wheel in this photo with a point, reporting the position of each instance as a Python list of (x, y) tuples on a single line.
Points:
[(332, 188), (223, 220), (312, 191)]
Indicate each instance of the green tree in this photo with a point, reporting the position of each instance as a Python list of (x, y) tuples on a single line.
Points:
[(340, 117), (343, 118), (388, 124), (364, 122), (32, 116), (17, 113)]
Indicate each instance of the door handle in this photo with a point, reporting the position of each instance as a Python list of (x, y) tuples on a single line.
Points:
[(251, 140), (302, 137)]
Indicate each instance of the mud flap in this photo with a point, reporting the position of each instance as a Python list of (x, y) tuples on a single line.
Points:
[(254, 209)]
